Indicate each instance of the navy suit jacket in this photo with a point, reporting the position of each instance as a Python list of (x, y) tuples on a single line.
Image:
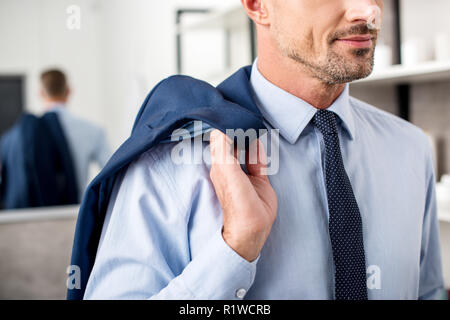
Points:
[(173, 103), (37, 166)]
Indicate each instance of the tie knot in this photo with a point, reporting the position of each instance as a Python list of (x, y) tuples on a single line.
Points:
[(325, 121)]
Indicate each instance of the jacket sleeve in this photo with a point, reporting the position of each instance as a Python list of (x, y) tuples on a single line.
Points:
[(145, 250)]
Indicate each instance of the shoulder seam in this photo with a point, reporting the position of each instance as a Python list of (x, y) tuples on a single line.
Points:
[(382, 113)]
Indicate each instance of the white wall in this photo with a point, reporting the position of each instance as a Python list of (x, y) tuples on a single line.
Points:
[(423, 19), (138, 50), (124, 47)]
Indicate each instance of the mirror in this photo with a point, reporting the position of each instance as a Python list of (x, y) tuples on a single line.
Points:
[(45, 157), (53, 133)]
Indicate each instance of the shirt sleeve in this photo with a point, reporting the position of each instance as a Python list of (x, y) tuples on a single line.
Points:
[(144, 250), (217, 273), (431, 277)]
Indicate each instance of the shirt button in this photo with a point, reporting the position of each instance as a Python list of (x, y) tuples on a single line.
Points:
[(241, 293)]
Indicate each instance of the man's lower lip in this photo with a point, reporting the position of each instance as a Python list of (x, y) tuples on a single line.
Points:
[(356, 44)]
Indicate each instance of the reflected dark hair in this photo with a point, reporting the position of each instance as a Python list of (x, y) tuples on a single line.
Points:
[(54, 83)]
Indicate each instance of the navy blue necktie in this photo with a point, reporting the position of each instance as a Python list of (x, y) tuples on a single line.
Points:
[(345, 224)]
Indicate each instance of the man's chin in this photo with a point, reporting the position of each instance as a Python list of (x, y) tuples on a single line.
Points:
[(360, 76), (351, 73), (360, 72), (359, 66)]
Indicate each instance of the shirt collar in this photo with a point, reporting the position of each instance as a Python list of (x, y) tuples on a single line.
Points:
[(291, 114), (56, 107)]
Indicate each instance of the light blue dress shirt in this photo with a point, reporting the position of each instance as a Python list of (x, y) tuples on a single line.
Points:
[(87, 143), (162, 233)]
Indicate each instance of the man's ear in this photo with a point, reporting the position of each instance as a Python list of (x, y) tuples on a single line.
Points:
[(257, 10)]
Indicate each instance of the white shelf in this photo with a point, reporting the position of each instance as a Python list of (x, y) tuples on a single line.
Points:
[(229, 18), (39, 214), (424, 72)]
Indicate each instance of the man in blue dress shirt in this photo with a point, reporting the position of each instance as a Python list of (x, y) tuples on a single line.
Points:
[(209, 230), (87, 141)]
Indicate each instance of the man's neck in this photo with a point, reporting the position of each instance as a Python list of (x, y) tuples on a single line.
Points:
[(293, 78), (50, 104)]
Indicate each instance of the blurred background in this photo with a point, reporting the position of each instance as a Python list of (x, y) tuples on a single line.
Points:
[(114, 51)]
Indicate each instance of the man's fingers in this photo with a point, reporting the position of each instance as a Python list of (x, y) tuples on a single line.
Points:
[(256, 161), (222, 149), (224, 153)]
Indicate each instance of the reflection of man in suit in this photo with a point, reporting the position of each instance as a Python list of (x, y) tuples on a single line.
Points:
[(87, 141)]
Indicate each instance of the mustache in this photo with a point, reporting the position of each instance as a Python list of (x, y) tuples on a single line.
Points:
[(355, 30)]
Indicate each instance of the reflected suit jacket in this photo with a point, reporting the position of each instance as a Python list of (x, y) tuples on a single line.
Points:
[(37, 165)]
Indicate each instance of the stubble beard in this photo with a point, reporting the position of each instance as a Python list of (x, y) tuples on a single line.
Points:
[(335, 68)]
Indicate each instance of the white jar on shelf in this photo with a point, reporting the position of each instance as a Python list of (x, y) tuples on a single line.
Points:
[(442, 46), (414, 51), (383, 57)]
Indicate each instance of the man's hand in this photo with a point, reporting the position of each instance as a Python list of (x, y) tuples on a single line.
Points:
[(248, 202)]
